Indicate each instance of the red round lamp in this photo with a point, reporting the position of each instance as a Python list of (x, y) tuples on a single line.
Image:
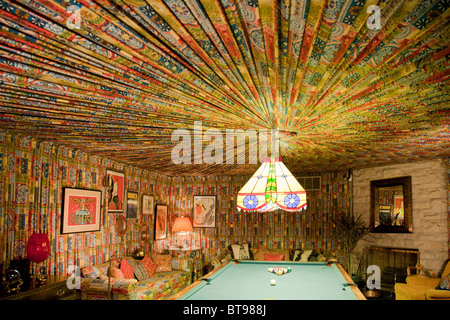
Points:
[(38, 247)]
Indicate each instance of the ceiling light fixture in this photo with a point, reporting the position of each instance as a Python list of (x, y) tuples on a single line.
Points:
[(272, 187)]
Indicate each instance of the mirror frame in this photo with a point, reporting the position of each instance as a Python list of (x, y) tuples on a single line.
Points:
[(407, 204)]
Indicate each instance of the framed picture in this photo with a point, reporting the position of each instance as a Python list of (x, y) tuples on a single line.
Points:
[(115, 180), (148, 204), (204, 212), (81, 210), (132, 204), (399, 211), (161, 222)]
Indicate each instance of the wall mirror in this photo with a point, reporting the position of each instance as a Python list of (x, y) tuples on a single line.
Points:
[(391, 205)]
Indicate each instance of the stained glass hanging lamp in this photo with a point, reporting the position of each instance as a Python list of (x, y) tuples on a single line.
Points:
[(272, 187)]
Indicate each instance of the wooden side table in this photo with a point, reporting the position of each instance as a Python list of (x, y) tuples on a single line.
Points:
[(54, 289)]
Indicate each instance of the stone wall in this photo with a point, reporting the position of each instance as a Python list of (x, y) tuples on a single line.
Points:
[(429, 209)]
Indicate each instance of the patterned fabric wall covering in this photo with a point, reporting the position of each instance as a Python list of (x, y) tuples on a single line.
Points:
[(116, 77), (33, 173)]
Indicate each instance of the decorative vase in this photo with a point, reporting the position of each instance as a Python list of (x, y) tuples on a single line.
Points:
[(138, 254), (38, 248)]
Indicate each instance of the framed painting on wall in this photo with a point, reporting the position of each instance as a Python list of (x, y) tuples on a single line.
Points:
[(148, 204), (399, 214), (81, 210), (116, 182), (132, 204), (161, 222), (204, 212)]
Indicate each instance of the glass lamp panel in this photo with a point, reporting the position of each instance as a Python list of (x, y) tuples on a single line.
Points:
[(282, 185), (263, 170), (251, 202), (255, 184)]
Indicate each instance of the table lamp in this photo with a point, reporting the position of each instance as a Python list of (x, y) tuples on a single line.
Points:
[(38, 250), (182, 225)]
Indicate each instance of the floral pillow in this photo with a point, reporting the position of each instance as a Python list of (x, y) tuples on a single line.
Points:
[(149, 265), (445, 283)]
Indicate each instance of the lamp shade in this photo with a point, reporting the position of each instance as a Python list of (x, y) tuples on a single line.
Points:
[(272, 187), (38, 248), (182, 224)]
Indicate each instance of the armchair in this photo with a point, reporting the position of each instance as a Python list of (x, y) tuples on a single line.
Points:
[(423, 287)]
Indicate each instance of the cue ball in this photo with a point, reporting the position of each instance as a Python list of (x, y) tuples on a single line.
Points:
[(273, 282)]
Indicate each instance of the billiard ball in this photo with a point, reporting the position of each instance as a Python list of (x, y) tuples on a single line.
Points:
[(273, 282)]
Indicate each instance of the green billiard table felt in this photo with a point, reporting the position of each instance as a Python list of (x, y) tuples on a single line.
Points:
[(250, 280)]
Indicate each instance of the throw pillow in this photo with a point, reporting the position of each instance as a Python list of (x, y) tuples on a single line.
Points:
[(140, 272), (115, 273), (259, 255), (296, 255), (445, 283), (321, 258), (313, 256), (127, 269), (91, 272), (149, 265), (274, 257), (104, 267), (305, 255), (164, 262), (240, 251), (226, 258)]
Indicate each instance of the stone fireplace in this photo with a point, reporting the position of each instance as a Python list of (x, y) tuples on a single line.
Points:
[(430, 216), (393, 264)]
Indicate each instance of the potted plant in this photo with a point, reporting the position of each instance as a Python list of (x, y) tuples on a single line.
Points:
[(349, 230)]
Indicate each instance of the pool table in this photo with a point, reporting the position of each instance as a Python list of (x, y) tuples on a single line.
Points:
[(251, 280)]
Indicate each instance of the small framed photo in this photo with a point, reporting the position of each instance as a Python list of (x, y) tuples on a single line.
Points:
[(116, 182), (132, 204), (148, 204), (81, 210), (161, 222), (204, 215)]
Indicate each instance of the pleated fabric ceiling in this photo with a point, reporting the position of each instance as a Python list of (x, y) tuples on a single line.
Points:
[(116, 78)]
